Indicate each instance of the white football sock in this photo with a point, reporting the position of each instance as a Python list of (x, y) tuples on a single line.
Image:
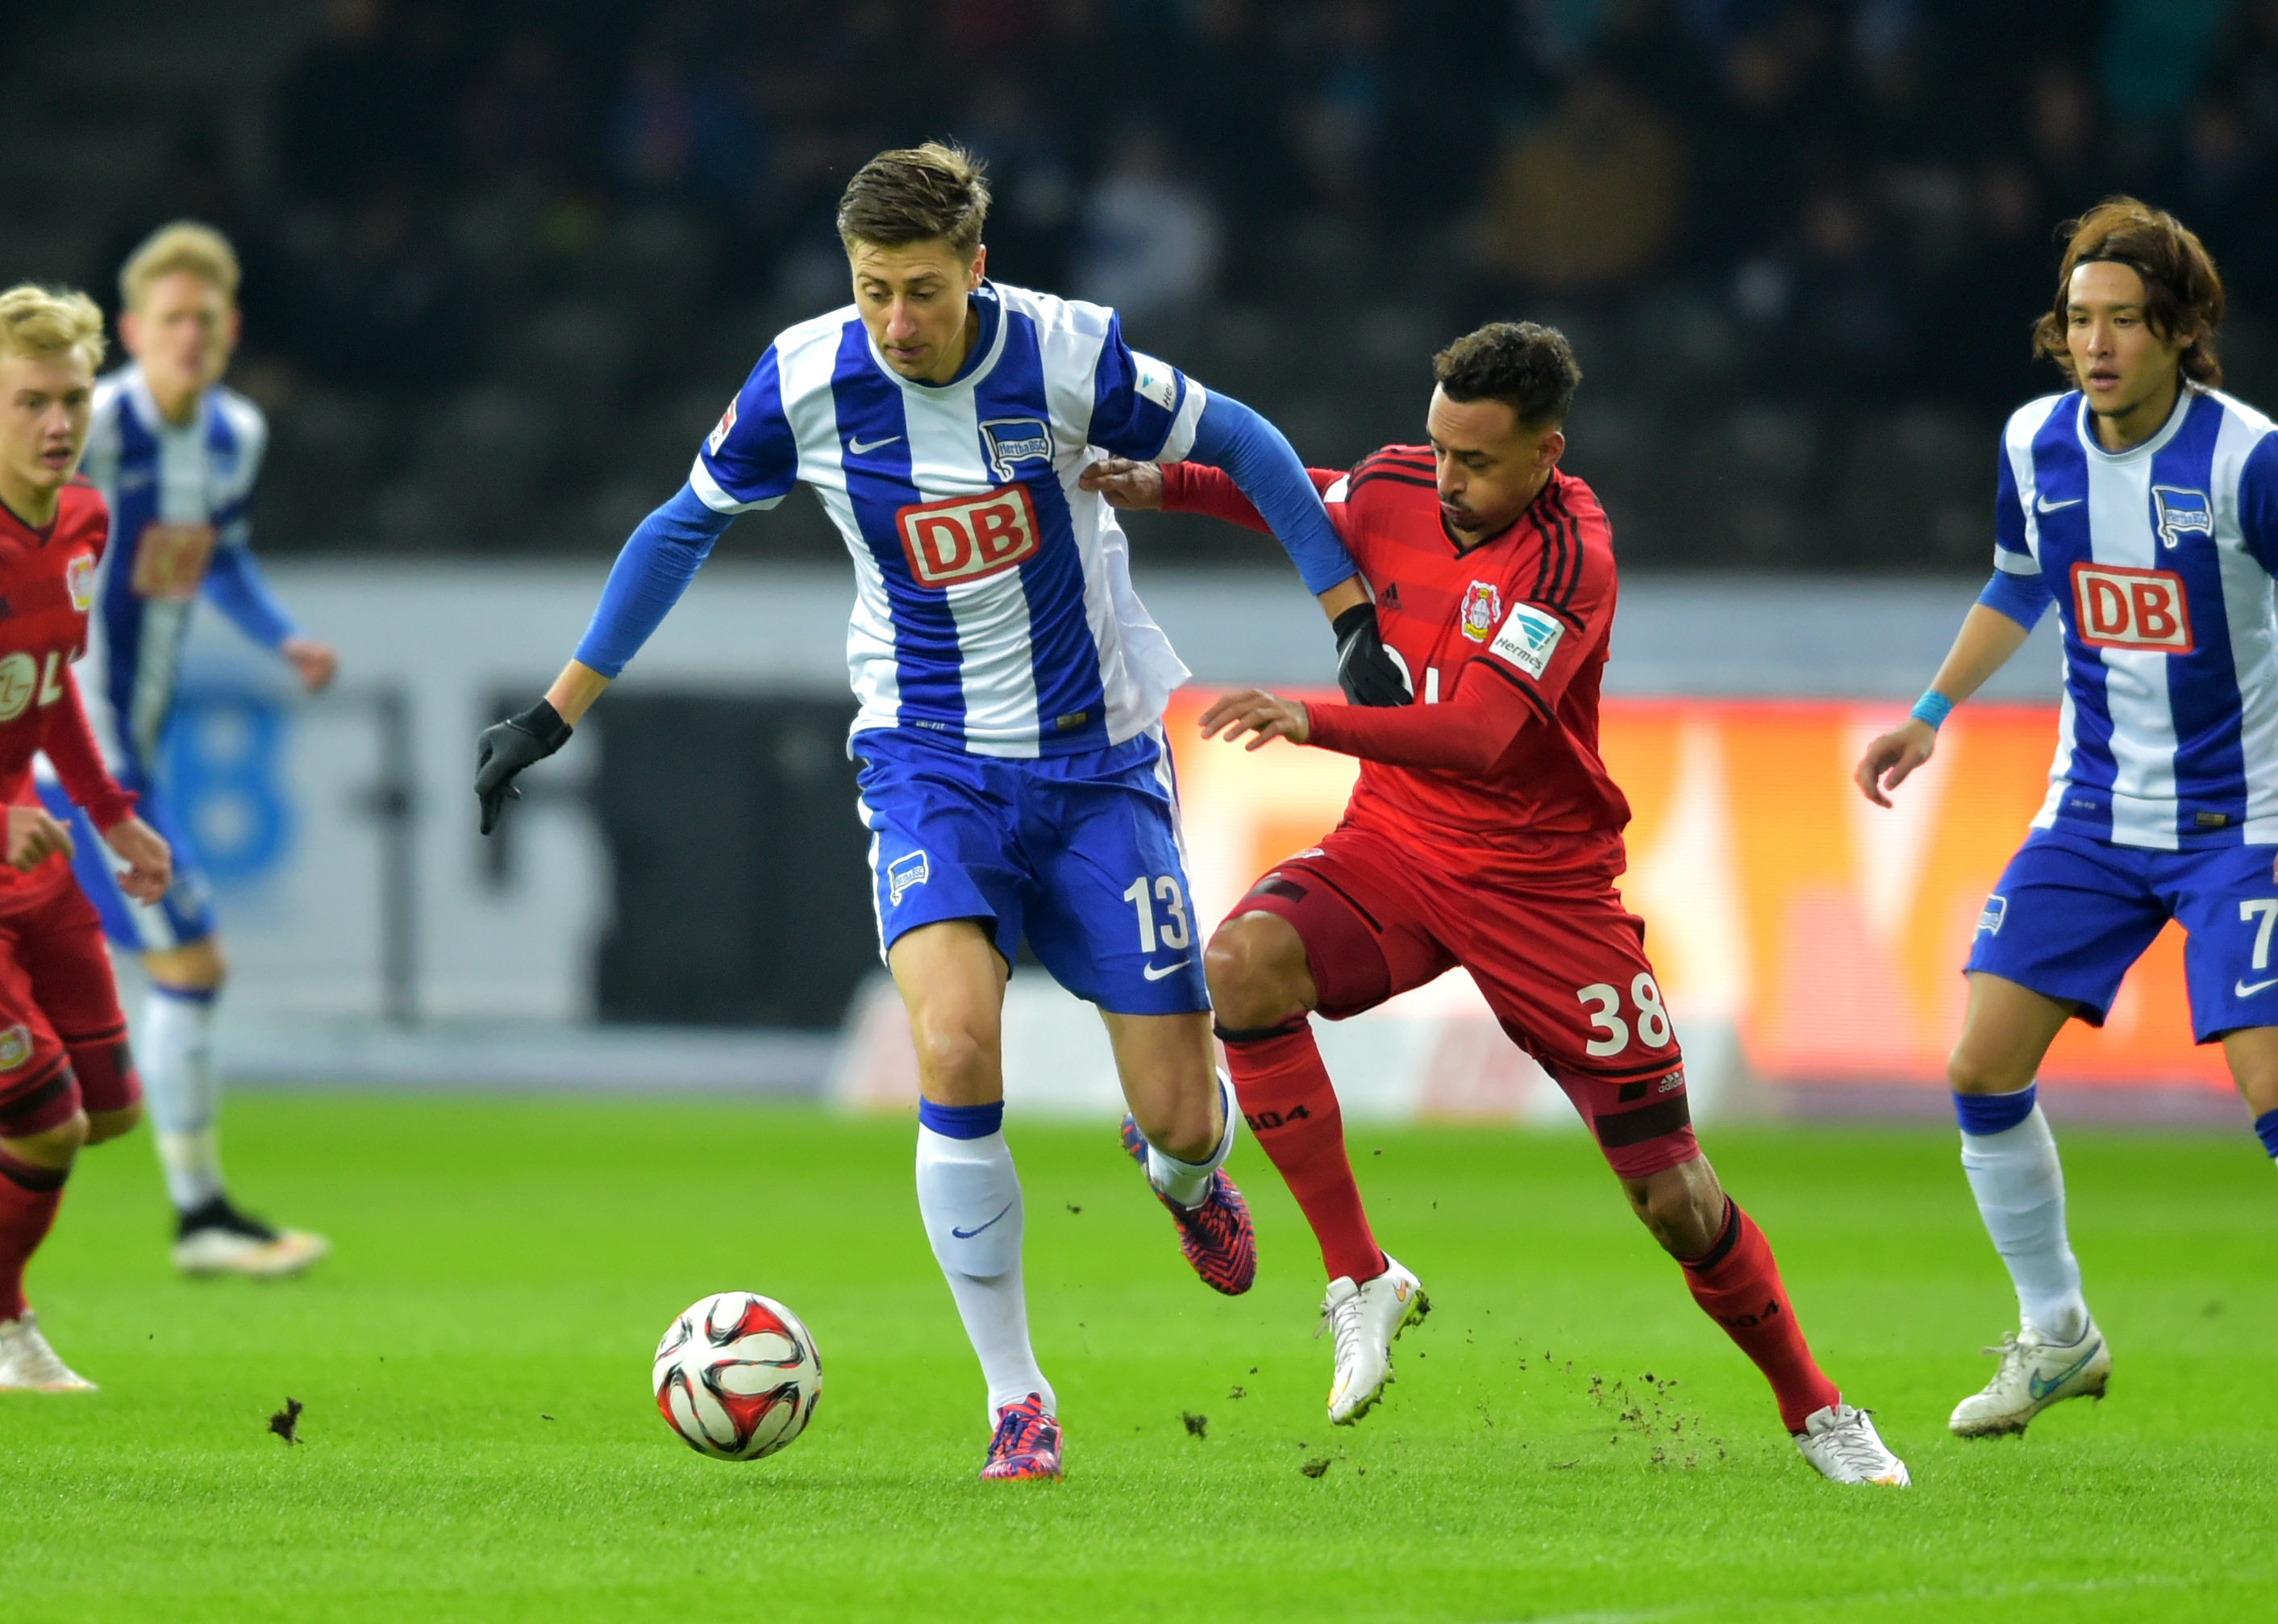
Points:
[(1187, 1182), (2019, 1185), (969, 1197), (174, 1052)]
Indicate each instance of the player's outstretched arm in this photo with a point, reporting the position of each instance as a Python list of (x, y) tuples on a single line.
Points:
[(1995, 628), (1260, 461), (240, 591), (1366, 673), (653, 568)]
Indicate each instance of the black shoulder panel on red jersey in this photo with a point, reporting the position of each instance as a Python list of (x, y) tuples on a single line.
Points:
[(1401, 464), (1559, 573)]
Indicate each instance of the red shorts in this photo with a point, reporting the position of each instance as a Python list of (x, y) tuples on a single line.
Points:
[(63, 1040), (1560, 962)]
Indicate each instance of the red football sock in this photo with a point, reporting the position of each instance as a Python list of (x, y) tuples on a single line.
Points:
[(1291, 1106), (1738, 1285), (28, 1199)]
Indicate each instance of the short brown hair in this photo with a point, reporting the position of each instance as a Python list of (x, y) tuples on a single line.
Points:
[(916, 194), (1528, 367), (2182, 295), (46, 322), (184, 245)]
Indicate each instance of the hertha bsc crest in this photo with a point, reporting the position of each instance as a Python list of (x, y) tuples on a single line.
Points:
[(1482, 611)]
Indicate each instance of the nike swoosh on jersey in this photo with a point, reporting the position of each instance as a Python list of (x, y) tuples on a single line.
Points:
[(969, 1234), (864, 448), (2245, 990), (2042, 1389), (1152, 973), (2044, 505)]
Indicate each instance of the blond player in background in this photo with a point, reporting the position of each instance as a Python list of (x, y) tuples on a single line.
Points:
[(175, 456)]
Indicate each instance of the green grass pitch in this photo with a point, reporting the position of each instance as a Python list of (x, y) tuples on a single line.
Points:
[(480, 1444)]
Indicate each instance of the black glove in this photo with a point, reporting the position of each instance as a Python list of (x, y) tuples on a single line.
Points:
[(1370, 673), (508, 746)]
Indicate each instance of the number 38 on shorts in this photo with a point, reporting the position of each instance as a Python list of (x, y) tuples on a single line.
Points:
[(1648, 1022)]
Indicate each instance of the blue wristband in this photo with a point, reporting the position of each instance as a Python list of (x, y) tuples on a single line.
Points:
[(1932, 708)]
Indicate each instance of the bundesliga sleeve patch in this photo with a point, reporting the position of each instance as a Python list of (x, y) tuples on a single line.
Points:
[(1528, 638), (1155, 382), (719, 436)]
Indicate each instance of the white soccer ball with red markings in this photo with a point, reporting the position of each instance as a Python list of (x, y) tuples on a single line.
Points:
[(738, 1376)]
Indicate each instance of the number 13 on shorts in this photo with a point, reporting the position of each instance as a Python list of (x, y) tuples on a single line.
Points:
[(1649, 1018), (1143, 893)]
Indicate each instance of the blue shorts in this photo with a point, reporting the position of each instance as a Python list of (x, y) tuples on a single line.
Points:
[(183, 916), (2072, 914), (1082, 852)]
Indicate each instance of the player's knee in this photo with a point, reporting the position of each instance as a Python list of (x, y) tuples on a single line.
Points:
[(954, 1056), (198, 967), (1968, 1074), (1682, 1208), (53, 1147), (1253, 964), (103, 1126), (1187, 1126)]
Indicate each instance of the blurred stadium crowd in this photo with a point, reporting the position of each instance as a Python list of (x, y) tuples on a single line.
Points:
[(507, 258)]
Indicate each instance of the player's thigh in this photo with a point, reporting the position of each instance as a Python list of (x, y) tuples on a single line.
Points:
[(63, 956), (2068, 918), (943, 845), (1567, 976), (2006, 1029), (39, 1092), (1362, 924), (1109, 911)]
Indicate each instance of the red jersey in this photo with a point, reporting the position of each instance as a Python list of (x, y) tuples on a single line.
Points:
[(1507, 637), (47, 587)]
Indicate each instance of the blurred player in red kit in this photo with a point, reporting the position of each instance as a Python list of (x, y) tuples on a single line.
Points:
[(67, 1079), (1484, 832)]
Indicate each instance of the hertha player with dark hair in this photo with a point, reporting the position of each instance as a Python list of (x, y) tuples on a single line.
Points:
[(2142, 502), (1484, 832)]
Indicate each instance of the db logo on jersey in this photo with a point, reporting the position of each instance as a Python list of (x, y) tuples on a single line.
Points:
[(2118, 608), (719, 435), (1482, 609), (79, 580), (964, 538)]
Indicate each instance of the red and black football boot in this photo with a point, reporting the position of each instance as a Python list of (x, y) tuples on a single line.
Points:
[(1026, 1443), (1216, 1236)]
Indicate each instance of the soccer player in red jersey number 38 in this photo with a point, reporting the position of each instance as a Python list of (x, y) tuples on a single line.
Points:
[(1484, 832)]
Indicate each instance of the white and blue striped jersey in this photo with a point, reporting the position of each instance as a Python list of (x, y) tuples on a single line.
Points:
[(993, 603), (178, 497), (2159, 559)]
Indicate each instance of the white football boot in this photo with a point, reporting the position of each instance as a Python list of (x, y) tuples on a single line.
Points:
[(28, 1364), (1366, 1317), (2034, 1374), (1843, 1443), (218, 1239)]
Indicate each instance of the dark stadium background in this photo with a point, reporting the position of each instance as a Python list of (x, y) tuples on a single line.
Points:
[(505, 261)]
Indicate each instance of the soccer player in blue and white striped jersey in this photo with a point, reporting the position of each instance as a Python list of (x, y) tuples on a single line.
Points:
[(2144, 504), (175, 455), (1011, 687)]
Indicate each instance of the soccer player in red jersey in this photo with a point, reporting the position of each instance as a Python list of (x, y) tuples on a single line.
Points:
[(67, 1079), (1484, 832)]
